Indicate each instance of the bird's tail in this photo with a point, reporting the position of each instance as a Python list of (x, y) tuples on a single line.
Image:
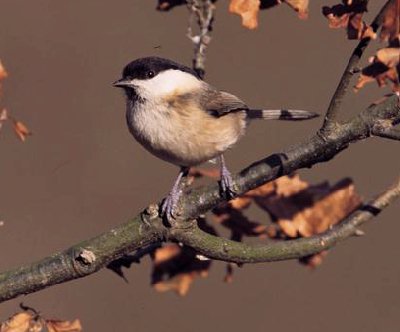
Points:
[(291, 115)]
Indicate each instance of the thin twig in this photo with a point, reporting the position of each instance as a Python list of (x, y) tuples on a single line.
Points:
[(203, 10), (331, 117)]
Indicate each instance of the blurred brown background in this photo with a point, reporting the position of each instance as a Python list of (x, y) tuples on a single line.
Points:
[(82, 173)]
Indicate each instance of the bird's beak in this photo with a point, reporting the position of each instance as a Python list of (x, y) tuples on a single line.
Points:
[(123, 83)]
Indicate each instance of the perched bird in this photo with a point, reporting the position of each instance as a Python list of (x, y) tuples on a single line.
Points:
[(181, 119)]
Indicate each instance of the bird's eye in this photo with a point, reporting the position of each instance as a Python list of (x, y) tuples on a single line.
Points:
[(150, 74)]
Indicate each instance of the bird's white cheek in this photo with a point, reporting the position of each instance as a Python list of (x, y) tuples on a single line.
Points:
[(165, 83), (149, 88)]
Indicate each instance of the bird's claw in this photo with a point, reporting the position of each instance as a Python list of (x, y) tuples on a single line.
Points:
[(227, 187), (169, 205)]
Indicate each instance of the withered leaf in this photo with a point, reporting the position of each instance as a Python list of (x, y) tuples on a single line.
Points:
[(21, 130), (3, 72), (301, 210), (297, 208), (384, 67), (313, 209), (63, 326), (229, 273), (300, 6), (349, 15), (27, 321), (20, 322), (313, 261), (3, 115), (389, 56), (248, 10), (391, 26), (176, 267)]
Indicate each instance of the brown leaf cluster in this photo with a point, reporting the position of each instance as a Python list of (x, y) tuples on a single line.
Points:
[(297, 209), (349, 15), (390, 31), (32, 322), (310, 209), (249, 9), (384, 67)]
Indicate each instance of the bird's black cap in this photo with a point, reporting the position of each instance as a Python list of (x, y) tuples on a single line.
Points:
[(148, 67)]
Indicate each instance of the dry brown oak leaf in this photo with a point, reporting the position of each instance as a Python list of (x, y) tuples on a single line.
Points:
[(297, 209), (384, 67), (349, 15), (248, 9), (391, 23), (21, 130), (176, 267), (31, 322)]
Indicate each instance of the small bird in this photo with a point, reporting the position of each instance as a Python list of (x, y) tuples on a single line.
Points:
[(183, 120)]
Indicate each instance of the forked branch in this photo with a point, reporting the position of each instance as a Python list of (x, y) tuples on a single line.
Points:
[(331, 117), (226, 250)]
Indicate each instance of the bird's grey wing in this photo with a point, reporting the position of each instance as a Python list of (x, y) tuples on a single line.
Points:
[(220, 103)]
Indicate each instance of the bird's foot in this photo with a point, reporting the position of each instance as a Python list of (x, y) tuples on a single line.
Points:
[(227, 187), (169, 205)]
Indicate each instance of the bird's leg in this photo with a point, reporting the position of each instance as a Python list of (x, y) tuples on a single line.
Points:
[(170, 202), (226, 180)]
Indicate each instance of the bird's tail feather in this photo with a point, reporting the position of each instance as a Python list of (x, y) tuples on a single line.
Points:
[(291, 115)]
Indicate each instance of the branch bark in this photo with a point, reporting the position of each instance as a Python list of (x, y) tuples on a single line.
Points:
[(386, 130), (81, 259)]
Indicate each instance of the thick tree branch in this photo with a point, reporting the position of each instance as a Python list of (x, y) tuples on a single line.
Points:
[(386, 130), (89, 256), (83, 258), (330, 121)]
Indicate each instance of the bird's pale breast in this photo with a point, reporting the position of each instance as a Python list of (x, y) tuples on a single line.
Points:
[(183, 134)]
